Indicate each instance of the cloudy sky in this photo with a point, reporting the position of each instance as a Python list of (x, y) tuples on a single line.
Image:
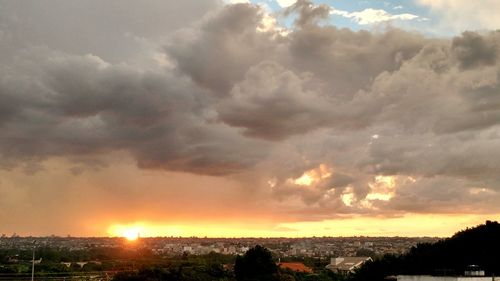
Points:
[(248, 118)]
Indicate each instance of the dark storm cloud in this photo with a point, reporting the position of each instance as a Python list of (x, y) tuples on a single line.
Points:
[(234, 94), (472, 49), (218, 51), (83, 106)]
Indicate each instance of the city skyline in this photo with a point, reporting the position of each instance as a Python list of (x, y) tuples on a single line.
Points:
[(256, 118)]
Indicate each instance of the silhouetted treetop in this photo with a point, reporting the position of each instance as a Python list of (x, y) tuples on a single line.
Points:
[(256, 264)]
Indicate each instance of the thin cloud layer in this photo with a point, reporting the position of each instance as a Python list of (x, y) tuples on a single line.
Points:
[(322, 121), (461, 15), (373, 16)]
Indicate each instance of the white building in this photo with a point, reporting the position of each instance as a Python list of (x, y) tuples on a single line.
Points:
[(346, 265), (445, 278), (472, 273)]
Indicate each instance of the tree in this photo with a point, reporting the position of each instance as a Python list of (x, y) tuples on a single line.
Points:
[(479, 245), (256, 264)]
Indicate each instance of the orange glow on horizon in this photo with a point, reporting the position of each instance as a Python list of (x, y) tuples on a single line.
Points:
[(130, 232), (411, 225)]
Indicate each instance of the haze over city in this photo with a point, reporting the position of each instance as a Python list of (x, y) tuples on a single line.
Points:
[(262, 118)]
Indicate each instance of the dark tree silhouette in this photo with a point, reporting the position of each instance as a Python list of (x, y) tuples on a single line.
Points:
[(256, 264), (473, 246)]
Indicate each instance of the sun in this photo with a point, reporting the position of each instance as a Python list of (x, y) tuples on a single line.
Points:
[(131, 234)]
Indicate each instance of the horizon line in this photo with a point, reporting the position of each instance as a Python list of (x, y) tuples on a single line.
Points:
[(221, 237)]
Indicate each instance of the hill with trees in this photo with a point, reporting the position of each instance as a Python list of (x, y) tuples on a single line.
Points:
[(473, 246)]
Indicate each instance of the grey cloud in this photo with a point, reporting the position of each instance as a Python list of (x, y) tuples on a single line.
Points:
[(426, 197), (308, 13), (106, 29), (339, 63), (219, 50), (83, 106), (349, 61), (272, 102), (461, 156), (231, 99), (472, 49), (445, 100)]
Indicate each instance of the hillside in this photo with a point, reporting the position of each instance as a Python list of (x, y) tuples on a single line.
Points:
[(473, 246)]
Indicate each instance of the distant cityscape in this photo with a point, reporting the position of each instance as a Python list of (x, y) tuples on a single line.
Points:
[(470, 254), (315, 247)]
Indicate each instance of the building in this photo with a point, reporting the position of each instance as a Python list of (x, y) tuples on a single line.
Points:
[(474, 270), (346, 265), (295, 266)]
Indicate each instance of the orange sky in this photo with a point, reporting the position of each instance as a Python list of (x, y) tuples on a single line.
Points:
[(409, 225), (182, 118), (113, 201)]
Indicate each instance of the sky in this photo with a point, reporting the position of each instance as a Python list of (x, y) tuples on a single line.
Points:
[(248, 118)]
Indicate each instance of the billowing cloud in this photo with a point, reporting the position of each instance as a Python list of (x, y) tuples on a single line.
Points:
[(373, 16), (273, 102), (312, 123), (455, 16)]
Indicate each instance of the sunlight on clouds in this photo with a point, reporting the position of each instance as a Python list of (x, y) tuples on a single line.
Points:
[(388, 181), (268, 23), (373, 16), (329, 194), (382, 188), (305, 179), (272, 182), (313, 176), (348, 196), (380, 196), (480, 190)]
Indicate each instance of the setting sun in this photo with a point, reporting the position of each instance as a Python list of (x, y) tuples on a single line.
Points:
[(131, 233)]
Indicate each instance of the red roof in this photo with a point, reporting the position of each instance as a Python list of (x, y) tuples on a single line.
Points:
[(295, 266)]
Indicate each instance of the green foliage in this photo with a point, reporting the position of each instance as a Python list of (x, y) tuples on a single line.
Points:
[(181, 273), (183, 268), (256, 264), (478, 246)]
